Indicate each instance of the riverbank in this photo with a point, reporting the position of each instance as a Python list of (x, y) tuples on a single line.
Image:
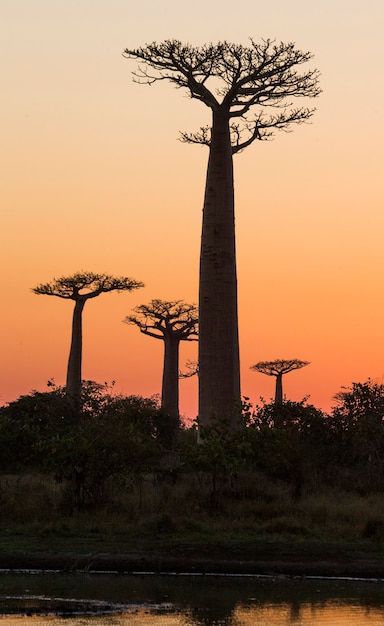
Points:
[(167, 528), (272, 558)]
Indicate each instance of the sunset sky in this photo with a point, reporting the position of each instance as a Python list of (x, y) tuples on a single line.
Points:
[(93, 177)]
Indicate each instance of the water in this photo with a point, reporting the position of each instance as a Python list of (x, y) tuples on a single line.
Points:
[(80, 599)]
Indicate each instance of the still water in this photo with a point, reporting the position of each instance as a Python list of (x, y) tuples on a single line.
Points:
[(152, 600)]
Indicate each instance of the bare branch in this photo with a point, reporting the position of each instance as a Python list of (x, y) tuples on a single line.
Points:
[(192, 370), (262, 127), (182, 65), (202, 137), (264, 75)]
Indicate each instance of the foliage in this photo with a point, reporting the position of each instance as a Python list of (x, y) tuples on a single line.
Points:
[(220, 453), (118, 441), (110, 435), (29, 420), (290, 415), (362, 399), (293, 441), (357, 425)]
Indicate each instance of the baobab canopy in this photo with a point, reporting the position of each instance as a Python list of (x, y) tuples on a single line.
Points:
[(279, 366), (86, 284), (263, 74)]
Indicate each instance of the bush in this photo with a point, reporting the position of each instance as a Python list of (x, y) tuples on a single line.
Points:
[(111, 435)]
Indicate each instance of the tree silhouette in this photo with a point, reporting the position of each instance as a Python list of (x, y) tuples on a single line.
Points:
[(278, 368), (263, 76), (172, 322), (81, 287)]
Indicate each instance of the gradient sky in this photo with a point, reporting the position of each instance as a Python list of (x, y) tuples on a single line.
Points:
[(93, 177)]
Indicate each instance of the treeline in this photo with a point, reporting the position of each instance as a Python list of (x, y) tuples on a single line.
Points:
[(116, 441)]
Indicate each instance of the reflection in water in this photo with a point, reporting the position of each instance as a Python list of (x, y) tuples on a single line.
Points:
[(250, 616), (139, 600), (322, 615)]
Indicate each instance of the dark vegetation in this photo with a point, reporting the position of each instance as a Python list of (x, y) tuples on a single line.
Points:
[(288, 471)]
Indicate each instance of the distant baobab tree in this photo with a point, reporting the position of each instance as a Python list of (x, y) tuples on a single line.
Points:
[(171, 321), (278, 368), (80, 287), (230, 79)]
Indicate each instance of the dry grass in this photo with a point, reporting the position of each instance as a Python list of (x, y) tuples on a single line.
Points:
[(255, 507)]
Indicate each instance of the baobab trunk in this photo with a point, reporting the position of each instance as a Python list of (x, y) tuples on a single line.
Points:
[(219, 368), (170, 386), (75, 354), (279, 389)]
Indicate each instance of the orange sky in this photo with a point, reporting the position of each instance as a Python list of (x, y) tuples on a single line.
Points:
[(93, 177)]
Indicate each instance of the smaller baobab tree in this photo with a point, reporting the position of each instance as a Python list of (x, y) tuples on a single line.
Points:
[(80, 287), (171, 321), (278, 368)]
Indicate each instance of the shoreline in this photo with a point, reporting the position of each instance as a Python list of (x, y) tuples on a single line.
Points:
[(198, 564)]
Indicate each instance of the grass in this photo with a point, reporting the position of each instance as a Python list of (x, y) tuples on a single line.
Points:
[(186, 517)]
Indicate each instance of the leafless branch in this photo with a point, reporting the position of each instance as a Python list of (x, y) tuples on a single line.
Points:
[(264, 75), (192, 370), (202, 136)]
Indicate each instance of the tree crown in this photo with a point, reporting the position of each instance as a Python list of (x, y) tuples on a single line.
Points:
[(161, 318), (262, 74), (361, 400), (84, 285), (279, 366)]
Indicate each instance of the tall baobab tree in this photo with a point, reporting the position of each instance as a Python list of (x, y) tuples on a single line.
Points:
[(172, 322), (278, 368), (80, 287), (231, 80)]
